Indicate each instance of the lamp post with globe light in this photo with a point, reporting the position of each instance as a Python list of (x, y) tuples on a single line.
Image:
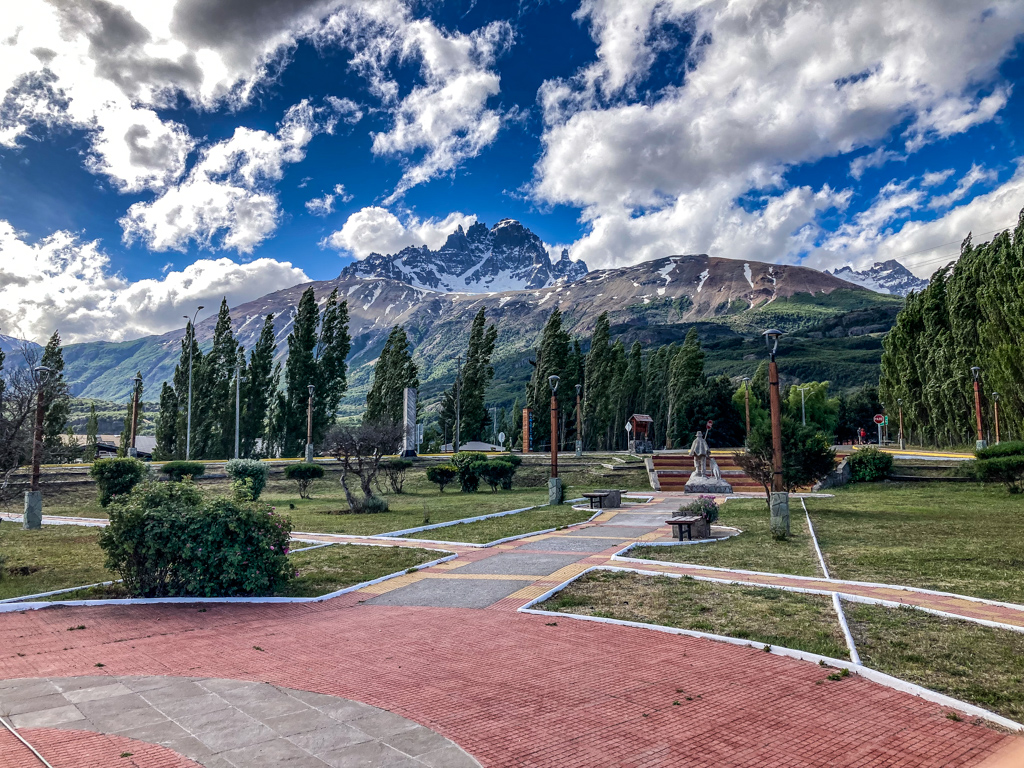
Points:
[(779, 499), (579, 433), (309, 424), (976, 373)]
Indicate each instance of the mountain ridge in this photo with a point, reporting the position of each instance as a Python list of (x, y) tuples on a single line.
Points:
[(889, 277)]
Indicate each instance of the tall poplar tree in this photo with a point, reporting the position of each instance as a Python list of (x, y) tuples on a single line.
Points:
[(258, 392), (476, 377), (56, 397), (216, 424), (167, 425), (551, 360), (392, 374)]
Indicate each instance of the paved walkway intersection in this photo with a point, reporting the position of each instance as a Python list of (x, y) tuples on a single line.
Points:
[(443, 654)]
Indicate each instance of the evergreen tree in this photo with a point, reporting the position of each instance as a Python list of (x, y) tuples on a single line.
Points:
[(56, 397), (392, 374), (258, 391), (476, 377), (166, 425), (215, 426), (189, 352), (599, 377), (126, 426), (552, 360), (686, 374)]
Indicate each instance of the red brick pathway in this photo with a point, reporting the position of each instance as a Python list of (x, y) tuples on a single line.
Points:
[(514, 691), (81, 749)]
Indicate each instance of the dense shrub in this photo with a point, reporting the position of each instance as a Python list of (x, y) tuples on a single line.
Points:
[(442, 475), (514, 461), (468, 464), (369, 505), (241, 470), (1002, 469), (165, 539), (704, 506), (394, 473), (179, 470), (496, 473), (115, 477), (869, 465), (304, 474), (1009, 448)]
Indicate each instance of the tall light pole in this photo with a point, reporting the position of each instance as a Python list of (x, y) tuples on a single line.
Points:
[(190, 337), (746, 393), (899, 404), (33, 518), (238, 400), (309, 424), (579, 433), (995, 405), (779, 500), (132, 451), (803, 406), (554, 482), (976, 372)]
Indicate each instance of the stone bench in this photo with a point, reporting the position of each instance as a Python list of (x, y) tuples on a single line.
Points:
[(596, 499), (613, 498), (695, 524)]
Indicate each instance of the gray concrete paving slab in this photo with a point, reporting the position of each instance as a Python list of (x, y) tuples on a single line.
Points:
[(234, 723), (450, 593), (519, 564), (573, 544)]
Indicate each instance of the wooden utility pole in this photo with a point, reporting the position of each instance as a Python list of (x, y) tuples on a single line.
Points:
[(776, 407)]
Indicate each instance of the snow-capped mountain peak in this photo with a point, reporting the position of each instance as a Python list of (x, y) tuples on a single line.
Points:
[(507, 257), (885, 277)]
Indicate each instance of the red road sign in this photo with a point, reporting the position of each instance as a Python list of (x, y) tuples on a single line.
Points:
[(879, 418)]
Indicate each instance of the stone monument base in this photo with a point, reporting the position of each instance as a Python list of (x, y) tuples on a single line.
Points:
[(779, 515), (708, 485), (33, 510), (555, 490)]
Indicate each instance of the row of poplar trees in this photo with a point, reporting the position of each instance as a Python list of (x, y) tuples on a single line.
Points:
[(668, 384), (971, 314), (272, 416)]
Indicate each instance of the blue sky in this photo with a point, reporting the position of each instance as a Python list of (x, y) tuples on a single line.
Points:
[(152, 159)]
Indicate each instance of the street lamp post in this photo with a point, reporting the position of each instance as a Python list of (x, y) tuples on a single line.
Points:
[(995, 405), (132, 451), (190, 337), (803, 406), (746, 397), (976, 372), (554, 482), (579, 433), (238, 401), (309, 425), (33, 518), (779, 500), (899, 404)]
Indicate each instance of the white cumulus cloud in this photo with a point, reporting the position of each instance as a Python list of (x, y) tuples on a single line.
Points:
[(64, 283), (377, 230)]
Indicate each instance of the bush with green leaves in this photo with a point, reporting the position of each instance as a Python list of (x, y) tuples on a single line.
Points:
[(369, 505), (115, 477), (869, 465), (251, 470), (1008, 470), (442, 475), (496, 473), (167, 540), (1008, 448), (514, 461), (468, 463), (807, 456), (304, 474), (704, 506), (394, 473), (179, 470)]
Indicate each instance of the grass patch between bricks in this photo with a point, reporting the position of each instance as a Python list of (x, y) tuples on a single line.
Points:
[(761, 615), (752, 550), (967, 539), (980, 665)]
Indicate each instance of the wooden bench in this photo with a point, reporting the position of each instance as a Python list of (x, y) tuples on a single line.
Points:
[(597, 497), (677, 524)]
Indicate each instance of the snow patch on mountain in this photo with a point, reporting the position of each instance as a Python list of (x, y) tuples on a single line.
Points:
[(507, 257), (884, 277)]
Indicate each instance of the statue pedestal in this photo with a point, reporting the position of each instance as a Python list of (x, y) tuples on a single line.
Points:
[(708, 485)]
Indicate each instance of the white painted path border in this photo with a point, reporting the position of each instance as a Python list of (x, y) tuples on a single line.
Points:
[(871, 674)]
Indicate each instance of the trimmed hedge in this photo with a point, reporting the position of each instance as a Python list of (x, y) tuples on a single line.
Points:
[(1009, 448), (1008, 470), (442, 475), (166, 540), (870, 465), (497, 473), (249, 477), (304, 474), (115, 477), (179, 470)]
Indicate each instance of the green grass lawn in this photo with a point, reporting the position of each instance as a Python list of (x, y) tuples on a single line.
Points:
[(961, 538), (538, 519), (981, 665), (54, 557), (329, 569), (752, 550), (761, 615)]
